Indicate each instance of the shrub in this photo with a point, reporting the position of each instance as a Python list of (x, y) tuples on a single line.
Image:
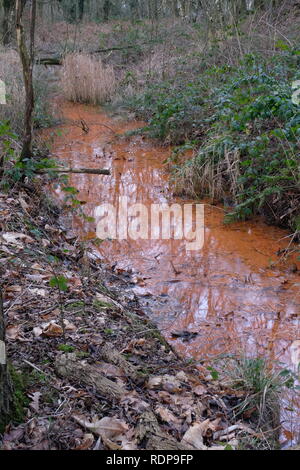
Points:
[(86, 80), (245, 131)]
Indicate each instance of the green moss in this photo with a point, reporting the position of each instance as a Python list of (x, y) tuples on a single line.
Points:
[(74, 305), (65, 348), (100, 304), (108, 331), (20, 382)]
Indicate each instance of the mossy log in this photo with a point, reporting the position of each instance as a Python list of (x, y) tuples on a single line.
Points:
[(69, 366)]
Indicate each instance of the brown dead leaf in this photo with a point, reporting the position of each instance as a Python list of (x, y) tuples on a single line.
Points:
[(12, 331), (200, 390), (52, 330), (13, 238), (23, 203), (69, 326), (167, 416), (35, 401), (112, 431), (133, 402), (165, 397), (107, 426), (109, 369), (14, 288), (154, 382), (169, 383), (87, 442), (14, 434), (194, 435)]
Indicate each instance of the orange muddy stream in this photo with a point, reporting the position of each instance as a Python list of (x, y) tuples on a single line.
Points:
[(229, 292)]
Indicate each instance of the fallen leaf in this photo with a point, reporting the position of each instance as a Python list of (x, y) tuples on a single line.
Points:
[(182, 376), (37, 292), (87, 442), (14, 434), (107, 426), (109, 369), (194, 435), (35, 401), (12, 332), (169, 383), (200, 390), (167, 416), (154, 382), (13, 238), (52, 330), (37, 331), (134, 403)]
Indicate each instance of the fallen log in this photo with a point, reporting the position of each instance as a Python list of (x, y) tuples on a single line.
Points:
[(110, 354), (148, 428), (58, 60), (49, 61), (89, 171), (79, 372)]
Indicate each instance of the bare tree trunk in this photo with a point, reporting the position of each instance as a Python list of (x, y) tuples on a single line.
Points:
[(6, 23), (27, 59), (80, 9), (6, 395), (106, 9)]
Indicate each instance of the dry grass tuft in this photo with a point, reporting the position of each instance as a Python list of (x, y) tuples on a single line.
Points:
[(86, 80)]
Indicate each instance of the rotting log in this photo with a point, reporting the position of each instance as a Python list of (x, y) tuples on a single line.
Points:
[(69, 366), (58, 60), (49, 61), (79, 372), (148, 428), (110, 354)]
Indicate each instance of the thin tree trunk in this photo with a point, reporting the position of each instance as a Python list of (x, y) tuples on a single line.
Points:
[(27, 59), (106, 9), (6, 23)]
